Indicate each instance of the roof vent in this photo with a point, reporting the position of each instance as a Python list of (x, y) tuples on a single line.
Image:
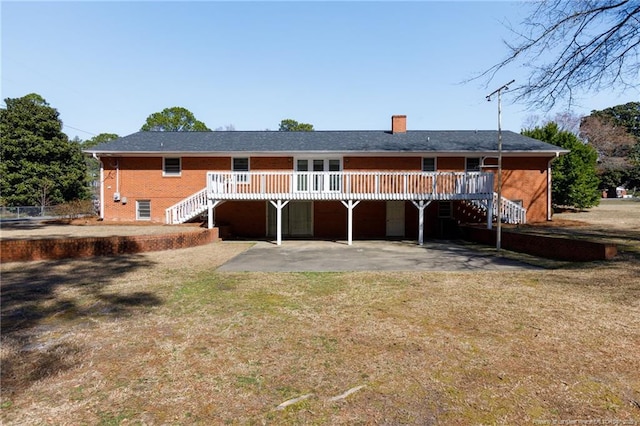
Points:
[(398, 124)]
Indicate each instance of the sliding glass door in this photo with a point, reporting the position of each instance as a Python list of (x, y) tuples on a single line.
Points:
[(322, 176)]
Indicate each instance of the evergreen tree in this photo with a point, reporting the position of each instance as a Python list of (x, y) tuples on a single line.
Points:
[(39, 165), (93, 165), (575, 180)]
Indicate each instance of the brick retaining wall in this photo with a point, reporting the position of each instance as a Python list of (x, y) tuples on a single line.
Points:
[(56, 248), (557, 248)]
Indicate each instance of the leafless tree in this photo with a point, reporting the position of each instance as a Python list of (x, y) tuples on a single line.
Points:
[(566, 121), (593, 45), (612, 142), (227, 128)]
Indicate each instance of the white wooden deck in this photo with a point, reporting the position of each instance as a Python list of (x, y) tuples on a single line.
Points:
[(345, 185), (350, 188)]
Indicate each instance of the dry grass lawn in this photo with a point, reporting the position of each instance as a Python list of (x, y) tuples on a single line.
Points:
[(162, 338)]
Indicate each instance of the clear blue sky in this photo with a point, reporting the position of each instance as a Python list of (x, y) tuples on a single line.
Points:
[(106, 66)]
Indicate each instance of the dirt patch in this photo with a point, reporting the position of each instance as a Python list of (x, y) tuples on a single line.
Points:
[(82, 228)]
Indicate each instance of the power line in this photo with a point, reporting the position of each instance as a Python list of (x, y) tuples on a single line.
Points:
[(79, 130)]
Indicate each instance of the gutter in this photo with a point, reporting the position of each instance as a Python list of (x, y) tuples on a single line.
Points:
[(549, 212), (360, 153), (101, 186)]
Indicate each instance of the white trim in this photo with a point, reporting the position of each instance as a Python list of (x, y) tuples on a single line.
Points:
[(101, 188), (327, 154)]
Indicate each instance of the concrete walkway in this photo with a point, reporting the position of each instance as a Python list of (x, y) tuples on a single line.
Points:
[(326, 256)]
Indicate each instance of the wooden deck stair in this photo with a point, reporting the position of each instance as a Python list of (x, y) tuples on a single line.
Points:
[(187, 209), (512, 213)]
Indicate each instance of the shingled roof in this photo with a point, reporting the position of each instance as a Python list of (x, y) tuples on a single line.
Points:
[(344, 142)]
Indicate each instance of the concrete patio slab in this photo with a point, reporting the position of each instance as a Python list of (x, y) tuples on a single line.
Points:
[(328, 256)]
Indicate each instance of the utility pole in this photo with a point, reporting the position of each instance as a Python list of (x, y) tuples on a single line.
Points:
[(498, 91)]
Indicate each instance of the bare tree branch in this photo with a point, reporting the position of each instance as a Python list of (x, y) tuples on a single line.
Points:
[(593, 45)]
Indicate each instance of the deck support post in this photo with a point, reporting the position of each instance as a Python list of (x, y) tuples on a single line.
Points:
[(421, 205), (211, 206), (350, 204), (278, 204), (490, 208), (210, 223)]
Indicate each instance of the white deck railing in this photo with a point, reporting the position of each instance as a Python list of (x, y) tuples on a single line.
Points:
[(187, 209), (344, 185), (511, 212)]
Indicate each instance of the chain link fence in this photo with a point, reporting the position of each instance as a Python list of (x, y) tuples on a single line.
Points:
[(68, 210), (23, 212)]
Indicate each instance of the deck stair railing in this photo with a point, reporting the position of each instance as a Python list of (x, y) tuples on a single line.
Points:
[(512, 213), (187, 209)]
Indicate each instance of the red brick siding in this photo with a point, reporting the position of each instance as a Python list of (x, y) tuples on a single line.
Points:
[(369, 220), (56, 248), (330, 219), (271, 163), (450, 164), (382, 163), (543, 246), (526, 179), (141, 179), (247, 219)]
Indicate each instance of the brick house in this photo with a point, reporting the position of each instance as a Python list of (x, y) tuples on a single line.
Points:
[(326, 184)]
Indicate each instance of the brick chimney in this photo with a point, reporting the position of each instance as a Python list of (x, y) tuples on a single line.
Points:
[(398, 124)]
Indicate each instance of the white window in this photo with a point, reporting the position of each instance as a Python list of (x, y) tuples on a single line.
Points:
[(143, 209), (472, 164), (429, 164), (241, 164), (171, 166)]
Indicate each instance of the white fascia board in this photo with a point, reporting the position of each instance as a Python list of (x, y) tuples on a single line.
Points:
[(327, 153)]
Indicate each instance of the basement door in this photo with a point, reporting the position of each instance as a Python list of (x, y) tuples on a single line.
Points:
[(297, 219), (395, 218)]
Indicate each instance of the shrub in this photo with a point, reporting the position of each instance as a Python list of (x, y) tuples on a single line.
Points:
[(74, 209)]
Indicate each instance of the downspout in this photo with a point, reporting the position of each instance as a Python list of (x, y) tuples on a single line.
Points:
[(101, 186), (118, 176), (549, 186)]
